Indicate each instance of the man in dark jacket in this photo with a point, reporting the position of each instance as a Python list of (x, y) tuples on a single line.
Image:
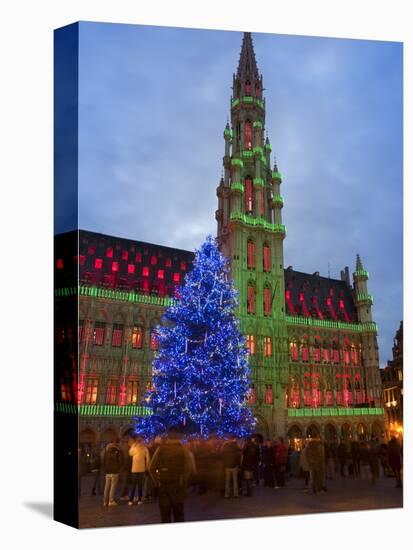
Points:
[(231, 456), (170, 468), (268, 463), (112, 465), (250, 461)]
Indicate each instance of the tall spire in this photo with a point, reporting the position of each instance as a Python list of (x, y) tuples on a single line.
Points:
[(359, 264), (247, 66)]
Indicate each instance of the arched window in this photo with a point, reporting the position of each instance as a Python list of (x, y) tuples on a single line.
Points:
[(346, 353), (267, 301), (304, 350), (251, 343), (248, 135), (267, 346), (307, 389), (250, 254), (294, 393), (326, 352), (248, 194), (247, 87), (250, 299), (266, 258), (293, 350), (354, 355), (317, 351)]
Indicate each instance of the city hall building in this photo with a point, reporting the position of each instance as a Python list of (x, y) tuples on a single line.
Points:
[(312, 340)]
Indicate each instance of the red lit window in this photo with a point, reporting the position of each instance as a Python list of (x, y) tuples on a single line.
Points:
[(117, 335), (161, 274), (248, 195), (80, 333), (183, 266), (341, 304), (154, 259), (132, 389), (251, 344), (317, 354), (99, 333), (267, 261), (257, 90), (81, 260), (153, 341), (145, 286), (251, 300), (138, 257), (329, 301), (326, 354), (301, 296), (304, 352), (91, 250), (354, 356), (267, 301), (115, 266), (267, 346), (329, 400), (336, 356), (250, 254), (251, 395), (91, 391), (262, 205), (293, 351), (111, 392), (65, 389), (177, 277), (168, 262), (145, 271), (137, 337), (125, 254), (248, 135), (59, 264), (109, 252), (268, 394), (98, 263), (248, 88), (131, 268), (346, 356)]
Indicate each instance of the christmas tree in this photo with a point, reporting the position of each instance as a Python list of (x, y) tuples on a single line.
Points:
[(200, 372)]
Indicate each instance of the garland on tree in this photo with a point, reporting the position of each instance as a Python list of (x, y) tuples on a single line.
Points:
[(200, 371)]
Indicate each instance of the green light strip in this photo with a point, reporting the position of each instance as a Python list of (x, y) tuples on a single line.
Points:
[(247, 154), (259, 182), (234, 102), (365, 298), (103, 410), (354, 327), (237, 162), (336, 411), (249, 100), (361, 273), (276, 176), (97, 292), (263, 160), (258, 222), (235, 186), (227, 133), (268, 146), (258, 150), (257, 124)]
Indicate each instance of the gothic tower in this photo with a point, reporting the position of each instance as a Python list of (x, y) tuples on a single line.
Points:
[(251, 234), (370, 353)]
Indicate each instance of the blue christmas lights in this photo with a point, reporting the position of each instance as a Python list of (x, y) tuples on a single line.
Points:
[(201, 372)]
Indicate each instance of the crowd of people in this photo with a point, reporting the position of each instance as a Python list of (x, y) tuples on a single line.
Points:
[(163, 469)]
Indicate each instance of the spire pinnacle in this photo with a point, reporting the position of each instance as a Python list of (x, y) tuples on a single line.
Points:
[(359, 264), (247, 66)]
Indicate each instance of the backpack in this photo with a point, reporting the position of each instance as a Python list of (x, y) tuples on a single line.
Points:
[(170, 464), (113, 460)]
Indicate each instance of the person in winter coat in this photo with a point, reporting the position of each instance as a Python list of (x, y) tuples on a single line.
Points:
[(305, 467), (249, 463), (140, 465), (171, 467), (280, 462), (268, 463), (316, 461), (112, 465), (394, 455), (231, 458)]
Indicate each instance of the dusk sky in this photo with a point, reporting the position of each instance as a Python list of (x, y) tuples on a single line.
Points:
[(153, 104)]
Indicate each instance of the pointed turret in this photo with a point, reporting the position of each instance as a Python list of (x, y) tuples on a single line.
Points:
[(364, 300), (359, 264), (247, 66)]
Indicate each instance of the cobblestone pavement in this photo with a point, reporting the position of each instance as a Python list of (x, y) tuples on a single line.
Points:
[(342, 495)]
